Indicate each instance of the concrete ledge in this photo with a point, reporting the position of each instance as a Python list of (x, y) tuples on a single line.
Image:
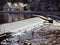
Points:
[(20, 25)]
